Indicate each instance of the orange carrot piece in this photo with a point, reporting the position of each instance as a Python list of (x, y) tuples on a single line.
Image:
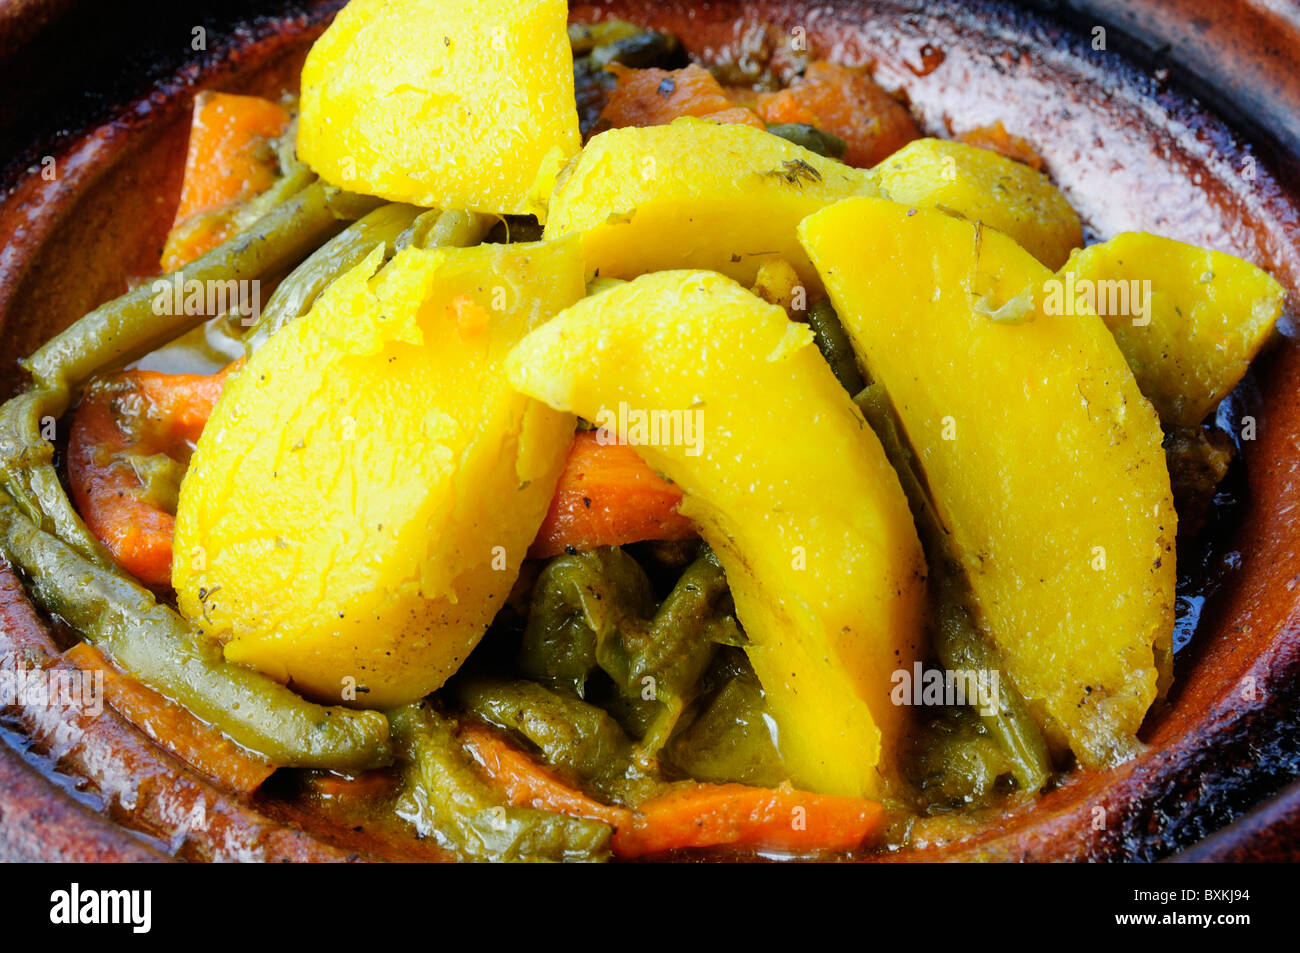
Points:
[(655, 97), (689, 815), (172, 726), (608, 496), (736, 115), (736, 815), (997, 139), (528, 783), (228, 161), (847, 103), (364, 787), (168, 412)]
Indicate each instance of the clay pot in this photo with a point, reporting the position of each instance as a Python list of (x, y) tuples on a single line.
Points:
[(1119, 133)]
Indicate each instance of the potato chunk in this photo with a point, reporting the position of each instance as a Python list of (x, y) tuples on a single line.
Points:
[(1189, 320), (984, 187), (695, 194), (784, 480), (362, 497), (1042, 456), (464, 104)]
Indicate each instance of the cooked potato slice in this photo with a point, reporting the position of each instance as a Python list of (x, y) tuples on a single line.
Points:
[(984, 187), (1203, 316), (785, 481), (464, 104), (362, 497), (1042, 456), (695, 194)]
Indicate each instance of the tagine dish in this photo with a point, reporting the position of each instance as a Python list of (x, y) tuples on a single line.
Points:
[(537, 444)]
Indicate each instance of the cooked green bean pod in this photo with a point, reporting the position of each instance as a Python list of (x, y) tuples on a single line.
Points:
[(130, 327), (731, 736), (662, 662), (571, 734), (71, 575), (595, 610), (444, 798), (580, 602), (833, 341), (811, 138), (453, 228), (158, 646), (395, 226)]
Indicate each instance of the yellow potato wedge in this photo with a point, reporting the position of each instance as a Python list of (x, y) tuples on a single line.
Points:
[(1189, 320), (360, 501), (1043, 458), (695, 194), (785, 481), (983, 186), (462, 104)]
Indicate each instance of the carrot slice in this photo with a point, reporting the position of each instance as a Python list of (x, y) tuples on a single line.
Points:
[(228, 161), (528, 783), (172, 726), (367, 786), (167, 413), (608, 496), (689, 815), (655, 97), (736, 815), (847, 103), (997, 139)]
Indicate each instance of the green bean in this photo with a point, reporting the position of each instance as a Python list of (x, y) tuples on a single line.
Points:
[(585, 37), (446, 229), (594, 610), (571, 734), (443, 797), (833, 341), (132, 326), (515, 228), (731, 737), (961, 646), (811, 138), (665, 660), (958, 639), (158, 646), (295, 294), (395, 226), (69, 572), (579, 602), (640, 51)]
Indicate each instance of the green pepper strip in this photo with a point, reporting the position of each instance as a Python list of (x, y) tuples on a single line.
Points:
[(444, 797), (156, 645), (69, 573)]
